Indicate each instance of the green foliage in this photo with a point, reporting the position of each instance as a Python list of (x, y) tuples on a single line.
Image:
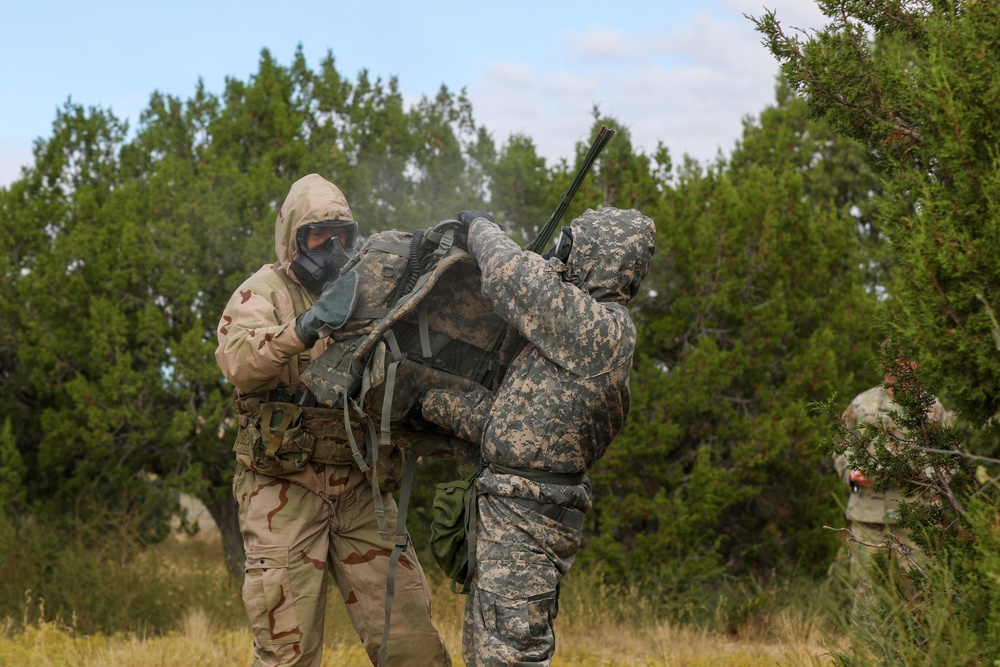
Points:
[(759, 307), (12, 470), (942, 609), (523, 189), (119, 254), (93, 573), (921, 98)]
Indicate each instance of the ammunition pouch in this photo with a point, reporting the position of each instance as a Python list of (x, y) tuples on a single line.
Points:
[(454, 519), (275, 441), (335, 374), (280, 438)]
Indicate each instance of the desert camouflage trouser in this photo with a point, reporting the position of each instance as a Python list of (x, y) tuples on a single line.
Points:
[(322, 520), (876, 533), (522, 555), (861, 556)]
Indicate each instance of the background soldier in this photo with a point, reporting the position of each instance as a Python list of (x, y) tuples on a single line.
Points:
[(873, 515), (562, 402), (305, 507)]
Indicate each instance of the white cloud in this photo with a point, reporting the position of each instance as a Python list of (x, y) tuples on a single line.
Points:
[(12, 158), (688, 83), (798, 13), (689, 86), (603, 43)]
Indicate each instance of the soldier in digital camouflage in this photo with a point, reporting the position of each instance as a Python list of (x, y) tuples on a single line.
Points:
[(306, 509), (561, 403), (872, 515)]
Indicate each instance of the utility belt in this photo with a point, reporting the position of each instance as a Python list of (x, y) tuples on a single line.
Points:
[(567, 516), (279, 438)]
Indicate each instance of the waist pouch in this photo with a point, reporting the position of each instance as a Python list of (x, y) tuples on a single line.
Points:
[(454, 519), (453, 529), (282, 438)]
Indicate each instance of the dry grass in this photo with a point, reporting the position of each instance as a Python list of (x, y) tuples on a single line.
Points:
[(198, 644), (594, 629)]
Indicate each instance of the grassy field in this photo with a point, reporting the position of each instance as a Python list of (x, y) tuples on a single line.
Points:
[(594, 628)]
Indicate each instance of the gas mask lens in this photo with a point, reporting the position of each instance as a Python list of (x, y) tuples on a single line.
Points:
[(563, 244), (325, 248), (321, 236), (562, 247)]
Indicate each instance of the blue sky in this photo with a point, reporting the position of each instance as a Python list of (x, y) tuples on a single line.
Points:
[(684, 73)]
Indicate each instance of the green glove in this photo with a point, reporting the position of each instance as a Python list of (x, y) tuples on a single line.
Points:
[(331, 310)]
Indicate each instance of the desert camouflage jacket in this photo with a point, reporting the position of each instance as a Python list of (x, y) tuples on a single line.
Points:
[(565, 397), (258, 347), (864, 504)]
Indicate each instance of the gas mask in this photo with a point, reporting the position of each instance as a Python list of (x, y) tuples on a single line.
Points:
[(333, 243), (562, 247)]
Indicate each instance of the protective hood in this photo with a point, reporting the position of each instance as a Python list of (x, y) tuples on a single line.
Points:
[(311, 199), (611, 252)]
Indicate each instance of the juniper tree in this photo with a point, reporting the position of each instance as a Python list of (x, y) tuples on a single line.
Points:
[(916, 83), (757, 305)]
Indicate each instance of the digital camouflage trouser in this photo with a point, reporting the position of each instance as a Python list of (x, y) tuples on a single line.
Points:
[(295, 530), (521, 556)]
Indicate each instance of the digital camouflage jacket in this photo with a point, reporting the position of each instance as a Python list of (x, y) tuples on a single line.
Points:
[(565, 397)]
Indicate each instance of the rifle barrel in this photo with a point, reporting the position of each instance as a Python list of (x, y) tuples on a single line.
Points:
[(545, 235)]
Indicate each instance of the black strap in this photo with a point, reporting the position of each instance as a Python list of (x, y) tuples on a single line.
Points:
[(414, 265), (471, 501), (542, 476), (567, 516), (402, 539)]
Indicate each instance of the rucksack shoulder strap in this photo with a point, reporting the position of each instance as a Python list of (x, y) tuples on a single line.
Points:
[(294, 291)]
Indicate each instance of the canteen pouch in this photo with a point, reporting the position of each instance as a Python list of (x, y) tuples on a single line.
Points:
[(453, 519), (277, 444)]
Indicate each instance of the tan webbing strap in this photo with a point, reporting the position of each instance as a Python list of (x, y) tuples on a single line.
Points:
[(399, 249), (390, 386), (384, 428), (425, 336), (294, 291), (299, 306), (402, 540), (445, 244), (372, 442), (366, 383), (355, 452), (370, 313), (273, 435)]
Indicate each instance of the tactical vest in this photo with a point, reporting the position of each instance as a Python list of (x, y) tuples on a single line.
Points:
[(420, 320)]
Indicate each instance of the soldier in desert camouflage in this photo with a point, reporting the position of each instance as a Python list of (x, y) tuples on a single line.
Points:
[(562, 402), (873, 515), (306, 510)]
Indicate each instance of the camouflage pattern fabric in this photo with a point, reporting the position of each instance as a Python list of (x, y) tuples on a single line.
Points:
[(873, 515), (258, 348), (861, 554), (299, 531), (300, 524), (561, 404), (865, 505)]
